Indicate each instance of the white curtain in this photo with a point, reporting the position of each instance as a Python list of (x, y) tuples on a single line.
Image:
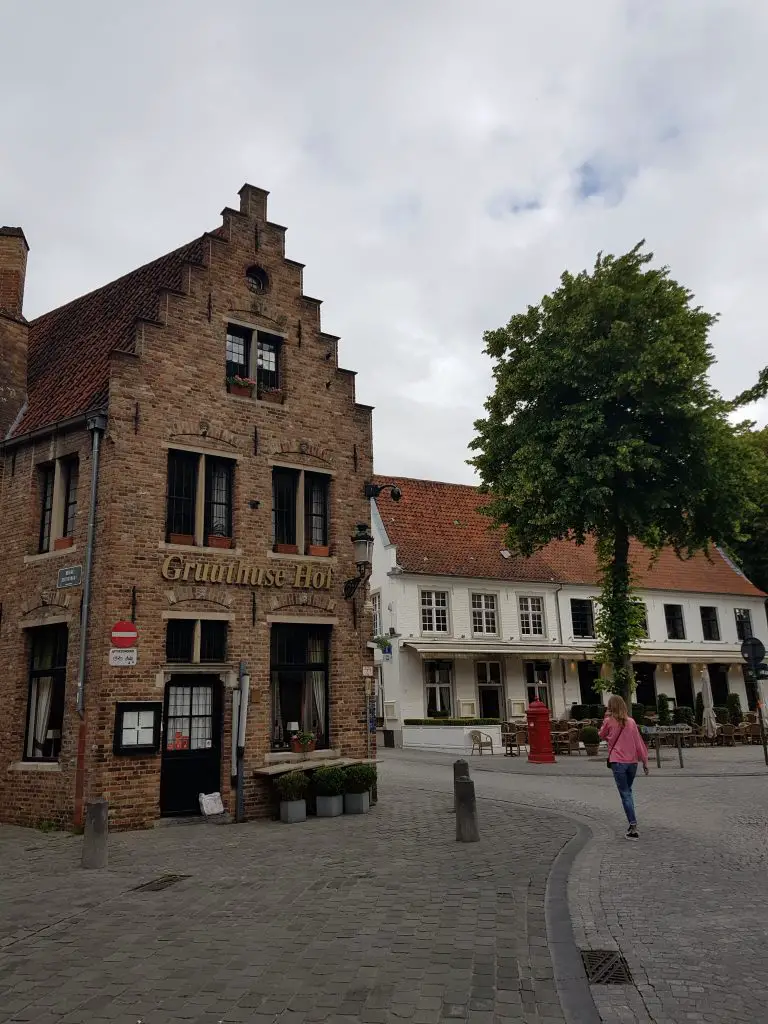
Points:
[(277, 714), (43, 693), (316, 654)]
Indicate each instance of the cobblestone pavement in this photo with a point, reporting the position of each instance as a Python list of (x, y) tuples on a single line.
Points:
[(376, 918), (687, 905)]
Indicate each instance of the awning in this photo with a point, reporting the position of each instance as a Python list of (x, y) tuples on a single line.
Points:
[(691, 656), (459, 650)]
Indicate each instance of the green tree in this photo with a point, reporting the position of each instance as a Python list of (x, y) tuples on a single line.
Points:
[(602, 424), (750, 549)]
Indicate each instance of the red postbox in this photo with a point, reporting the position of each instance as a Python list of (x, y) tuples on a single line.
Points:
[(539, 734)]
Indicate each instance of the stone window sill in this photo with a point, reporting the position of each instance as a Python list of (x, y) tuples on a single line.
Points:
[(280, 556), (44, 556), (198, 549), (35, 766)]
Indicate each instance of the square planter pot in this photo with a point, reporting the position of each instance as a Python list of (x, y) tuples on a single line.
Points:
[(181, 538), (219, 542), (330, 806), (238, 389), (276, 397), (318, 550), (357, 803), (293, 811), (287, 549), (63, 542)]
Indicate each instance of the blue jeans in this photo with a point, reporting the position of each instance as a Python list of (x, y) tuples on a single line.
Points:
[(624, 774)]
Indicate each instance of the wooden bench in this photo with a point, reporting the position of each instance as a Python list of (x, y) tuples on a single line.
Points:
[(282, 767)]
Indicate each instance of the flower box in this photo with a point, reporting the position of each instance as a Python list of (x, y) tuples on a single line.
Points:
[(318, 550), (287, 549), (244, 390), (274, 395), (181, 538), (63, 542), (219, 542), (297, 748)]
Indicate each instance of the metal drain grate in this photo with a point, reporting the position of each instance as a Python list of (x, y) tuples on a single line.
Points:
[(606, 967), (163, 882)]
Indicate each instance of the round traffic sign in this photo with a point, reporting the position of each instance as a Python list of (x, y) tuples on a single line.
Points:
[(124, 634), (753, 650)]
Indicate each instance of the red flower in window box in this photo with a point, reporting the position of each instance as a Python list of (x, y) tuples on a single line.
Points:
[(63, 542), (274, 395), (241, 386), (215, 541)]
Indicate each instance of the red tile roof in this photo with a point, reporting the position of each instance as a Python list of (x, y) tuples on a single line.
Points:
[(438, 530), (68, 367)]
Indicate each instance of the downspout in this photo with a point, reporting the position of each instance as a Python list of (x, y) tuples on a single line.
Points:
[(96, 424), (564, 678)]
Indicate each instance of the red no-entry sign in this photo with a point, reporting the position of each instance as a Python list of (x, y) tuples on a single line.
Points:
[(124, 634)]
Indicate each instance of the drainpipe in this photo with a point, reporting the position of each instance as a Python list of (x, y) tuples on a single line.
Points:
[(96, 424), (239, 725)]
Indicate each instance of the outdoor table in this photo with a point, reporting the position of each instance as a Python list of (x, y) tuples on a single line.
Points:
[(675, 731)]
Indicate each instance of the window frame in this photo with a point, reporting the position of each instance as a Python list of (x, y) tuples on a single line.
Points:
[(299, 541), (242, 335), (200, 500), (47, 485), (197, 638), (741, 633), (530, 613), (378, 623), (590, 617), (137, 749), (439, 665), (485, 596), (682, 621), (71, 472), (58, 675), (434, 608), (715, 618), (258, 347)]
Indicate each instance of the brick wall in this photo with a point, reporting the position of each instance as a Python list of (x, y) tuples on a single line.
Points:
[(172, 392)]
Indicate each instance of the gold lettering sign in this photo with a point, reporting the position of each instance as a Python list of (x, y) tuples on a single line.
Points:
[(307, 576)]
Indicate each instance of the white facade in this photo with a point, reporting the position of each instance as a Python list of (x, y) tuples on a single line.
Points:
[(522, 642)]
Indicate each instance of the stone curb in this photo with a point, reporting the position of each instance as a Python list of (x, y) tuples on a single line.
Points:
[(570, 978)]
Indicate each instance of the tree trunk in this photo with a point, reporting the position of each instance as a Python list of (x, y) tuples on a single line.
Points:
[(621, 605)]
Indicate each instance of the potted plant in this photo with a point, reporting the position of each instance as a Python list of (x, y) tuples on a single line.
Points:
[(181, 538), (359, 779), (242, 386), (734, 708), (292, 788), (287, 549), (318, 550), (274, 395), (591, 740), (302, 742), (328, 784), (662, 709)]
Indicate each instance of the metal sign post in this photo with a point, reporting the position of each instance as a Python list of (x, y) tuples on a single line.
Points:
[(675, 731), (753, 652)]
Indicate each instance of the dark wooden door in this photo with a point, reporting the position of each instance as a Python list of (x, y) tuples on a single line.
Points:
[(645, 677), (681, 676), (191, 762)]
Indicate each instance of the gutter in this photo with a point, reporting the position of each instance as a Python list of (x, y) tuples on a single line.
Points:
[(97, 424), (83, 420)]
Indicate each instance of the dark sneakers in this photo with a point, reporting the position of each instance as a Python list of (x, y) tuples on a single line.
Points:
[(632, 833)]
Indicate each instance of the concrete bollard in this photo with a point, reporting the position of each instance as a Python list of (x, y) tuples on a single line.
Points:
[(94, 853), (466, 812), (460, 771)]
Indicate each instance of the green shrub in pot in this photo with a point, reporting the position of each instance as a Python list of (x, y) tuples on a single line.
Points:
[(292, 788), (328, 784), (591, 739), (359, 779)]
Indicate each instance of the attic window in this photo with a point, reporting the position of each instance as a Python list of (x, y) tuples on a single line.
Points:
[(257, 280)]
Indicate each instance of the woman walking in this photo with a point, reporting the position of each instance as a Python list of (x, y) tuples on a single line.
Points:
[(625, 749)]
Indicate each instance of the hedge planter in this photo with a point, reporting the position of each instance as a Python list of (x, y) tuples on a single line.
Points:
[(293, 811), (357, 803), (330, 806)]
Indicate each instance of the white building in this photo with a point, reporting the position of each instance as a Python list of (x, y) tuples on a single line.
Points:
[(476, 632)]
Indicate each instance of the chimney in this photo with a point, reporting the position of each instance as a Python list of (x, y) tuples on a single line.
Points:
[(13, 327)]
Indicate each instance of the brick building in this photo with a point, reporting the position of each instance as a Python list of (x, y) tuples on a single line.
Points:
[(221, 529)]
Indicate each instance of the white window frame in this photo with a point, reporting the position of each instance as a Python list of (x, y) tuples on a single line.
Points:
[(583, 636), (450, 686), (484, 596), (433, 608), (748, 613), (378, 626), (521, 612)]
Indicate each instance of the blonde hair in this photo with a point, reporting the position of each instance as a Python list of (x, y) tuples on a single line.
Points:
[(617, 708)]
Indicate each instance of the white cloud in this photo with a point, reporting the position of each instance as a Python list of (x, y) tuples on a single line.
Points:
[(426, 157)]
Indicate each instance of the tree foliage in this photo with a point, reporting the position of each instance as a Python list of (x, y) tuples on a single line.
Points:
[(750, 548), (603, 424)]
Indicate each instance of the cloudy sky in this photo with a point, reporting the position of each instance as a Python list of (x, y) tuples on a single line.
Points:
[(438, 164)]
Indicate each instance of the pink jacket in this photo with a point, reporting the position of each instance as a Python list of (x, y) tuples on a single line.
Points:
[(626, 745)]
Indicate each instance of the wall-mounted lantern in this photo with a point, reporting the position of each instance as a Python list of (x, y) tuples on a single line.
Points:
[(363, 545)]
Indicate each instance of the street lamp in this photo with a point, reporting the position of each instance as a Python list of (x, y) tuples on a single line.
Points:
[(363, 545), (374, 490)]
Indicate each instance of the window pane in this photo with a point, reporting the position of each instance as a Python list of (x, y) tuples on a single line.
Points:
[(743, 623), (531, 616), (673, 613), (218, 497), (316, 509), (182, 492), (213, 640), (47, 683), (284, 490), (238, 345), (710, 626), (376, 601), (71, 472), (46, 507), (267, 360), (179, 640), (582, 617)]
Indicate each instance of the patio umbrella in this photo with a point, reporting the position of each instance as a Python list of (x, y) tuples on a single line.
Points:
[(709, 721)]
